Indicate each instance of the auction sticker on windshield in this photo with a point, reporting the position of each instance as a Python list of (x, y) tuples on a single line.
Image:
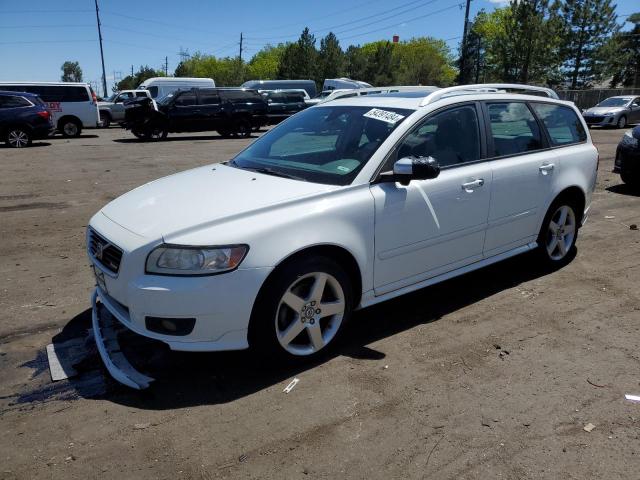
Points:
[(384, 115)]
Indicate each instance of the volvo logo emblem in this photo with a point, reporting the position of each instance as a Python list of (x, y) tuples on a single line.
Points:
[(99, 251)]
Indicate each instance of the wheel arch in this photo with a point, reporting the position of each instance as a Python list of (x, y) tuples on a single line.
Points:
[(107, 112), (576, 196), (68, 117), (340, 254)]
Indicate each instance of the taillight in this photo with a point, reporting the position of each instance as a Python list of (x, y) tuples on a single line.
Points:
[(45, 114), (93, 97)]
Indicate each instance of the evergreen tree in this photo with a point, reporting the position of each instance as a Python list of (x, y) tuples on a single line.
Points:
[(331, 58), (355, 62), (588, 25), (71, 72), (623, 55), (299, 60)]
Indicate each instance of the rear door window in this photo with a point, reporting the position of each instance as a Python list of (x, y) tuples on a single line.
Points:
[(186, 99), (209, 97), (15, 102), (153, 91), (514, 129), (562, 124)]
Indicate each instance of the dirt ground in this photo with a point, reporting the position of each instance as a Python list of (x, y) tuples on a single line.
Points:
[(491, 375)]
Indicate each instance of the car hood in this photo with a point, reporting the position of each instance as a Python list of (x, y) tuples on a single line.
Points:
[(199, 197), (603, 110)]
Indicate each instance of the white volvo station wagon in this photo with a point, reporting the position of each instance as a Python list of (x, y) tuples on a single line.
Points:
[(342, 206)]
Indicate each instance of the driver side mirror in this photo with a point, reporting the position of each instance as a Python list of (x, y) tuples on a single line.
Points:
[(412, 168)]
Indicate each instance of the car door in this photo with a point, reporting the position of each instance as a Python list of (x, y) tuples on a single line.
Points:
[(117, 109), (210, 108), (184, 112), (430, 227), (523, 173), (634, 111)]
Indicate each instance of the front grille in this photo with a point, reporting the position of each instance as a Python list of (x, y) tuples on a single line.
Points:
[(594, 119), (105, 253)]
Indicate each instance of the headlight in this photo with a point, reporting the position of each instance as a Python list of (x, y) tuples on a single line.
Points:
[(629, 140), (183, 260)]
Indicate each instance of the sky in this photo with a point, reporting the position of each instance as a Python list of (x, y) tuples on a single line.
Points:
[(38, 36)]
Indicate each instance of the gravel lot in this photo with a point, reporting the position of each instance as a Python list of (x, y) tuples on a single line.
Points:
[(491, 375)]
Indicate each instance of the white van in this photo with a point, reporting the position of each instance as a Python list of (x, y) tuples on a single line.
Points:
[(73, 105), (160, 86)]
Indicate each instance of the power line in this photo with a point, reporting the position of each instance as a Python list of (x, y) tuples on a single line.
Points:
[(413, 2), (48, 26), (45, 41)]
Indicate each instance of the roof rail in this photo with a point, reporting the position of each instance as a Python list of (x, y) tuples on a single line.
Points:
[(484, 88)]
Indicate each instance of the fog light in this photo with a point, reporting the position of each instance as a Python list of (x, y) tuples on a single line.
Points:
[(170, 326)]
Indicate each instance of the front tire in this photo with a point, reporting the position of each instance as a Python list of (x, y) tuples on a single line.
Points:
[(18, 137), (631, 180), (243, 129), (302, 309), (558, 234), (622, 121)]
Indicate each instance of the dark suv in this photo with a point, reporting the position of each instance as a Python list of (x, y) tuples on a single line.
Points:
[(281, 104), (229, 111), (23, 118)]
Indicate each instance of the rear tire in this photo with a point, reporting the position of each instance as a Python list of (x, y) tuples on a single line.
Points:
[(70, 128), (105, 119), (18, 137), (559, 232), (243, 129), (631, 180), (302, 309), (224, 133)]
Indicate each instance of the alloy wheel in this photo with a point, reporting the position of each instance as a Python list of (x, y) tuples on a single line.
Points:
[(18, 138), (622, 122), (310, 313), (561, 233)]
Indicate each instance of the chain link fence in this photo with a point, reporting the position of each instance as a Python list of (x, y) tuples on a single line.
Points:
[(589, 98)]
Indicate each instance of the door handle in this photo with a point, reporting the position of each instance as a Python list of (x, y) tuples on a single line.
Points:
[(470, 186), (546, 168)]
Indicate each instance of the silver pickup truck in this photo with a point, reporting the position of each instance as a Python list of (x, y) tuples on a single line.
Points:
[(112, 109)]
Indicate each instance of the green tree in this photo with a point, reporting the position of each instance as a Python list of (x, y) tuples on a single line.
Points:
[(381, 63), (623, 54), (131, 82), (71, 72), (299, 60), (264, 64), (423, 61), (330, 58), (587, 27), (355, 62)]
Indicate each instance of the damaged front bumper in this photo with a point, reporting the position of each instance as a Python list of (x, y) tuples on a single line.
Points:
[(106, 329)]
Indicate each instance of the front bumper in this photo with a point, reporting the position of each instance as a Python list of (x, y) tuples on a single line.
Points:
[(627, 159), (600, 120)]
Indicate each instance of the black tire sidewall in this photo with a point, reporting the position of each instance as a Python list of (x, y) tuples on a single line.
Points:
[(620, 119), (262, 334), (542, 235), (105, 118), (74, 122)]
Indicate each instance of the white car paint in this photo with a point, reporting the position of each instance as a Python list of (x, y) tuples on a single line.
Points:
[(116, 109), (401, 237), (160, 86)]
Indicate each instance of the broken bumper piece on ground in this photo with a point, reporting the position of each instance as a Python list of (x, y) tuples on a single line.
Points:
[(106, 328)]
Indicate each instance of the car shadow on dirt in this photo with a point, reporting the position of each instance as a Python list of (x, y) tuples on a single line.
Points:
[(189, 379), (624, 189), (33, 145)]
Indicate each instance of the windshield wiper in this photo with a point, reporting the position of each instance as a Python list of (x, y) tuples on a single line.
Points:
[(275, 173)]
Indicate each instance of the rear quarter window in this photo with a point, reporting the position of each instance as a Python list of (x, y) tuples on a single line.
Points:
[(562, 124)]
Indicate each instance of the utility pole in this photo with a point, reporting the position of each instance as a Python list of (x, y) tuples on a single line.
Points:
[(463, 57), (240, 47), (166, 66), (104, 75), (132, 71)]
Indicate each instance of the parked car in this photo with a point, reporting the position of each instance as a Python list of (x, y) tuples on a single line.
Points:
[(627, 162), (614, 112), (73, 105), (112, 108), (322, 96), (356, 92), (342, 206), (23, 118), (343, 83), (230, 111), (281, 104), (160, 87), (308, 85)]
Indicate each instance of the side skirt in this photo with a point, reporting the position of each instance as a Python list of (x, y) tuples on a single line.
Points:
[(369, 297)]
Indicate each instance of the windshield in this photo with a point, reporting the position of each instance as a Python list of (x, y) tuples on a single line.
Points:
[(110, 98), (614, 102), (323, 144), (166, 99)]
